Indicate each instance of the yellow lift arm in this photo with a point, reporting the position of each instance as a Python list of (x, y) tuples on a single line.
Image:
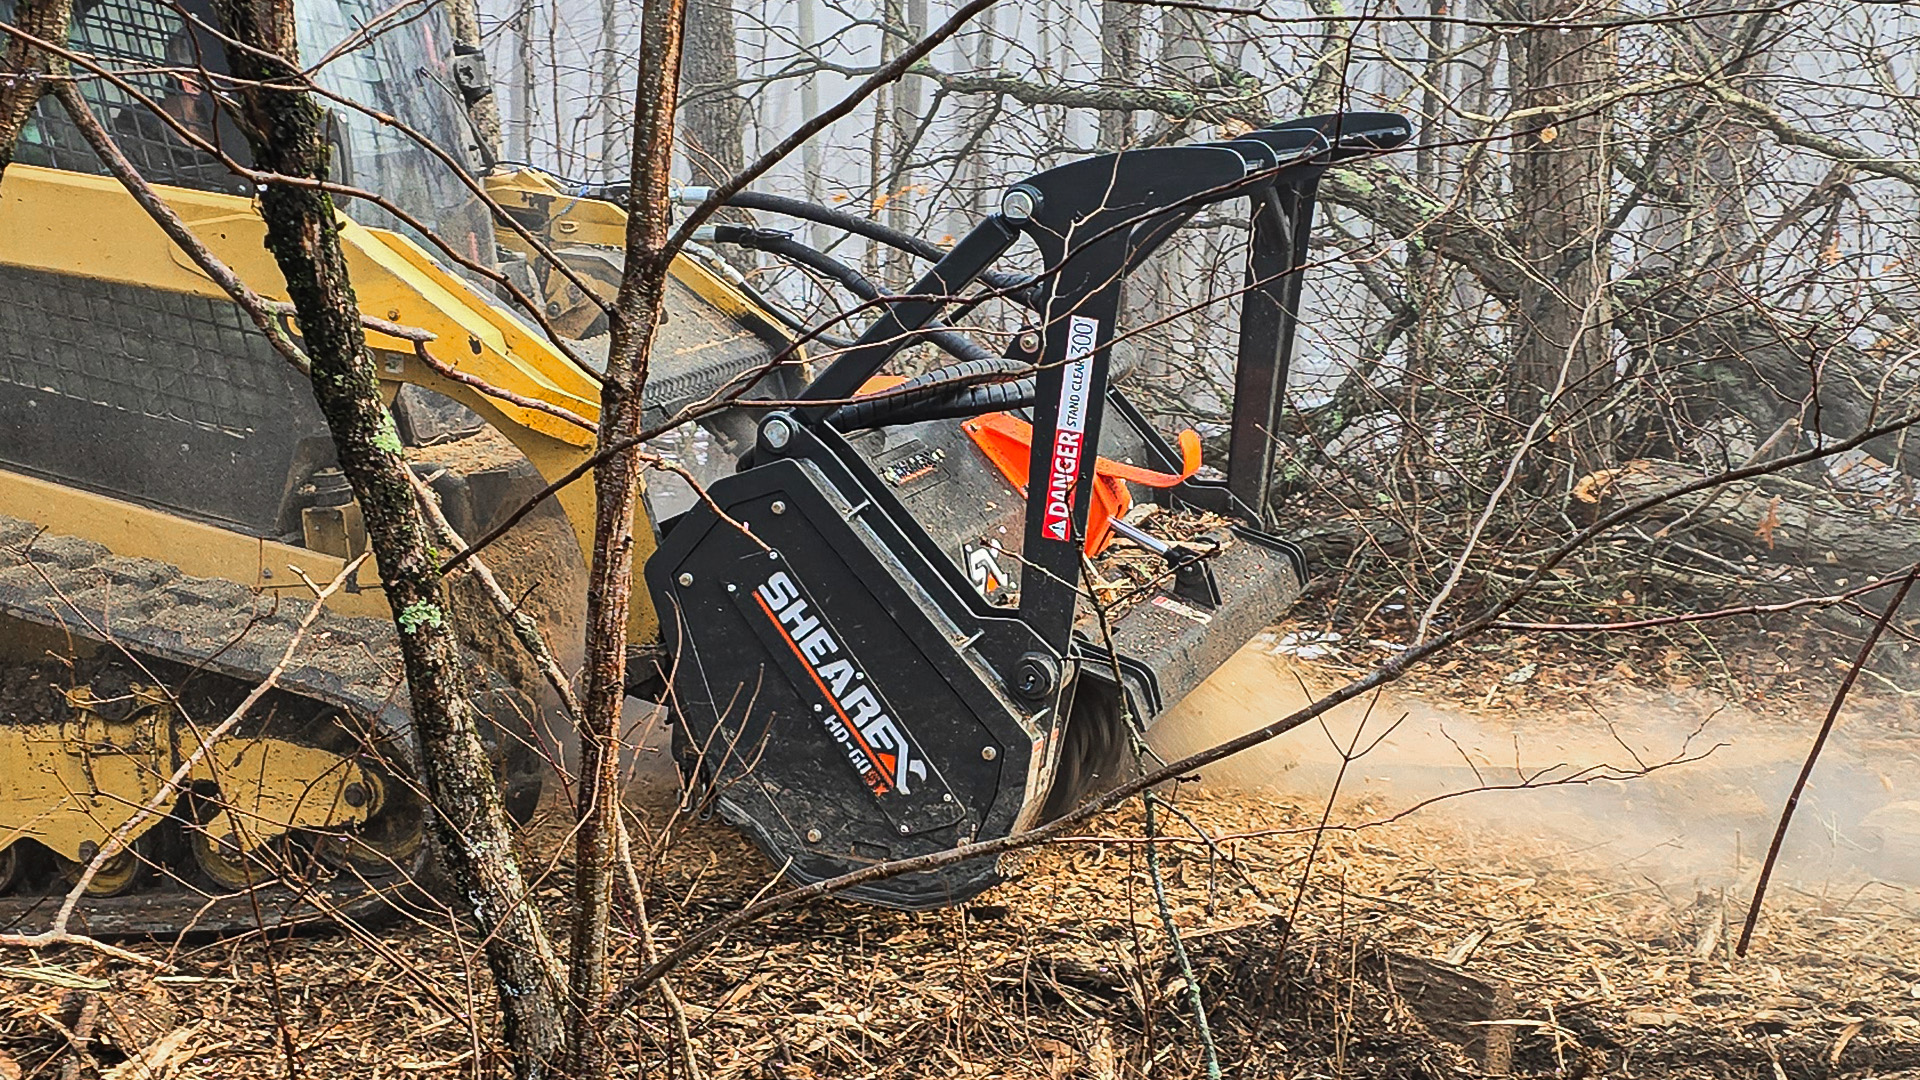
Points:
[(394, 280)]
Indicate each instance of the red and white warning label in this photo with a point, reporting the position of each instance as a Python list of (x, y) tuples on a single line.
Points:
[(1069, 438)]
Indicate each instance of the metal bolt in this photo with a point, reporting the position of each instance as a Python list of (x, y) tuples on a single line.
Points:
[(777, 432), (1035, 676), (731, 587), (1018, 204), (88, 849), (948, 797), (1029, 342), (685, 580), (779, 506), (814, 835), (903, 830), (988, 753), (355, 794)]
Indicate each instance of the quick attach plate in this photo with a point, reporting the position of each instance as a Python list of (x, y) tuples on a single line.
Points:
[(839, 718)]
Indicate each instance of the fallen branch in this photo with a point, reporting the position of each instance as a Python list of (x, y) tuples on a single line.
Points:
[(1828, 600), (1772, 514)]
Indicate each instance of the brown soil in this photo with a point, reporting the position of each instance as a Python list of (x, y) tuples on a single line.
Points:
[(485, 449)]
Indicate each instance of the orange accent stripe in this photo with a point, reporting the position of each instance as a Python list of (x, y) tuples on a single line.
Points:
[(824, 692)]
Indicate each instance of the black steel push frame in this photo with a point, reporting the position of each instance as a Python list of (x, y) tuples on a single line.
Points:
[(1095, 221)]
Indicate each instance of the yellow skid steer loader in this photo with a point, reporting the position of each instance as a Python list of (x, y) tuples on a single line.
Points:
[(879, 638)]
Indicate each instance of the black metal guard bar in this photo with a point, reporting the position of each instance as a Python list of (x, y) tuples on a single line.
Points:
[(1282, 219), (1094, 222)]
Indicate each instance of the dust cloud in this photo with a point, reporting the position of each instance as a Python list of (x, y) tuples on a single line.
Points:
[(1678, 788)]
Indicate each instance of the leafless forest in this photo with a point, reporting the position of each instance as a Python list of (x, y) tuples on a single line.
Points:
[(1629, 249), (1587, 750)]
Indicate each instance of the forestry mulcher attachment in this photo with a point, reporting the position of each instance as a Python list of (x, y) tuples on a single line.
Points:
[(877, 633)]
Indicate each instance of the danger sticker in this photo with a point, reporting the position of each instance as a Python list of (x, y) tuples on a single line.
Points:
[(1069, 437)]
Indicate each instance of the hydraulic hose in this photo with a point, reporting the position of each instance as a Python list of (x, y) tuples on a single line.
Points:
[(1019, 287), (782, 244), (839, 219), (968, 388), (765, 302)]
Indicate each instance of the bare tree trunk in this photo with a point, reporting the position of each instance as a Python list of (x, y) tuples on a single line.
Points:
[(713, 116), (878, 141), (907, 101), (1149, 299), (810, 157), (563, 147), (977, 42), (1428, 277), (1560, 191), (1119, 67), (1327, 87), (1433, 98), (1711, 165), (612, 115), (1184, 55), (520, 101), (713, 121), (470, 828), (24, 69), (636, 316), (465, 19)]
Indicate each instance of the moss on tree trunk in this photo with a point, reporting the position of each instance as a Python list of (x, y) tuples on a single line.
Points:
[(470, 826)]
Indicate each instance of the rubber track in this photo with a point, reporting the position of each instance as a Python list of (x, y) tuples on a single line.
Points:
[(147, 607), (77, 586)]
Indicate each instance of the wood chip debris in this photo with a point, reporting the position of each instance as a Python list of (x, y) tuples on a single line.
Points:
[(1064, 971)]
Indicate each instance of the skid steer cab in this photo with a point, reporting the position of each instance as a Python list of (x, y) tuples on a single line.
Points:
[(883, 640)]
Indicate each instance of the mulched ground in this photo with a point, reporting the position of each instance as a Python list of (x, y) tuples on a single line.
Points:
[(1065, 971)]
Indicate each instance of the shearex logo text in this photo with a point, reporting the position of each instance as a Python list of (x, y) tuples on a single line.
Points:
[(855, 716)]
